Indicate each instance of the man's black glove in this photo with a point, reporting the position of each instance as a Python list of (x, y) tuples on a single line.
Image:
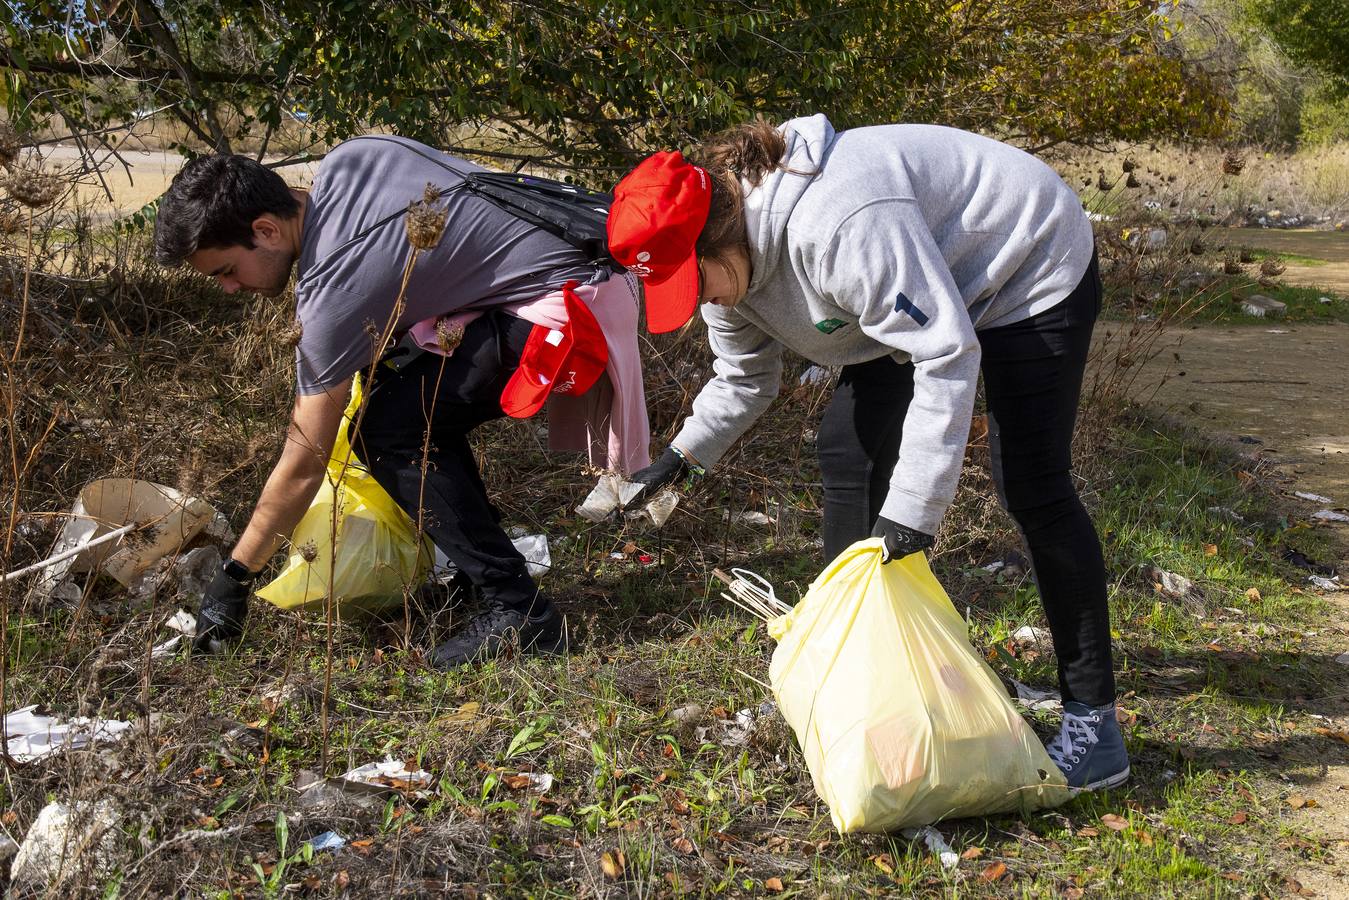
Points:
[(220, 617), (900, 540), (665, 471)]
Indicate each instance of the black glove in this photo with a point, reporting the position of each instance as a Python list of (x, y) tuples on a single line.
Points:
[(220, 617), (900, 540), (671, 467)]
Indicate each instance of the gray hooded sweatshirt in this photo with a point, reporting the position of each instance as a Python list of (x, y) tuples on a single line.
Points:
[(896, 239)]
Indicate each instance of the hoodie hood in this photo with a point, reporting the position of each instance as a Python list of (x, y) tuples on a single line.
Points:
[(769, 206)]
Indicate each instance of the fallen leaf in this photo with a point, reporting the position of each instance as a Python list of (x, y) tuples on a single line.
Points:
[(1114, 822), (9, 817), (1231, 876), (1088, 832), (683, 845), (464, 714), (1253, 595), (774, 885), (1145, 838), (1210, 549), (341, 880), (993, 871), (885, 862), (362, 846), (972, 853), (516, 782), (312, 882), (1297, 802), (1074, 893), (1325, 732), (1237, 819), (611, 865)]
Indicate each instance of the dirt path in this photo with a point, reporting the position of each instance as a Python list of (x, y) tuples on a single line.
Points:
[(1281, 388), (1330, 246)]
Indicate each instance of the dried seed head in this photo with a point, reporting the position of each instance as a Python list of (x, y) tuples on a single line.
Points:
[(10, 142), (425, 223), (448, 337), (1233, 164), (291, 334), (31, 185), (1128, 165), (1271, 266), (309, 551)]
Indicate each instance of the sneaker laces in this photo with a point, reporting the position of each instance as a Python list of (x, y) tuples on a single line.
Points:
[(1074, 738), (487, 624)]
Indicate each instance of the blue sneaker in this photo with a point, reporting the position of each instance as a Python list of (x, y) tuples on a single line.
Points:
[(1090, 749)]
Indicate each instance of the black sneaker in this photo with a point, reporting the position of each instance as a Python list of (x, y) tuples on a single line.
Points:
[(498, 629)]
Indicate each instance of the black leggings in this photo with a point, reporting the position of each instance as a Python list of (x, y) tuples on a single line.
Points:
[(1032, 380)]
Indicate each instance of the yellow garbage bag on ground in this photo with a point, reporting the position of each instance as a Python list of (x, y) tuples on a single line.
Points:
[(900, 720), (378, 555)]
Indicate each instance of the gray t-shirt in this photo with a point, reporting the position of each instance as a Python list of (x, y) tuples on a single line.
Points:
[(354, 248)]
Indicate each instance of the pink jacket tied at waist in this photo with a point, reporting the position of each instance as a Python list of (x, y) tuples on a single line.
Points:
[(609, 420)]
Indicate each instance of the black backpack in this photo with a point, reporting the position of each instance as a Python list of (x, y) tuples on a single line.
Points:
[(571, 212)]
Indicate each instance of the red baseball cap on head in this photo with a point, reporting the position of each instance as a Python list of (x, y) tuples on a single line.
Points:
[(659, 210), (562, 360)]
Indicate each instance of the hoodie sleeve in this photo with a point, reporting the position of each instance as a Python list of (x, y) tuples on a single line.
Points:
[(883, 265), (748, 373)]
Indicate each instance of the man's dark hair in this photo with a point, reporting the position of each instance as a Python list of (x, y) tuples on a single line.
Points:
[(213, 202)]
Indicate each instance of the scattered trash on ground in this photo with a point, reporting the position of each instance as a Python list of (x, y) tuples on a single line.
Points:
[(748, 517), (1260, 306), (1314, 498), (182, 622), (735, 730), (1224, 512), (1035, 698), (163, 519), (32, 735), (538, 782), (936, 843), (1330, 515), (1029, 634), (814, 375), (329, 840), (65, 839), (1326, 584), (392, 775), (612, 493)]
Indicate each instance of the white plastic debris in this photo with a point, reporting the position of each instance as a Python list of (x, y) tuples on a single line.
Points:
[(66, 838), (1315, 498), (736, 730), (814, 375), (1330, 515), (1029, 634), (164, 519), (1035, 698), (1326, 584), (749, 517), (612, 493), (182, 622), (539, 782), (1177, 587), (329, 840), (392, 774), (936, 843), (33, 735)]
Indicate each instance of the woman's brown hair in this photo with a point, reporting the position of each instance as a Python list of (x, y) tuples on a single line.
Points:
[(749, 151)]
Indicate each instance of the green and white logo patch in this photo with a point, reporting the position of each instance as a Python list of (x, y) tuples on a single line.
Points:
[(829, 326)]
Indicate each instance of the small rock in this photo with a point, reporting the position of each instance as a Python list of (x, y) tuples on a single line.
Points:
[(684, 715), (1029, 634), (1343, 659)]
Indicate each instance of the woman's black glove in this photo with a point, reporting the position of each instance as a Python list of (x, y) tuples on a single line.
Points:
[(220, 617), (900, 540), (665, 471)]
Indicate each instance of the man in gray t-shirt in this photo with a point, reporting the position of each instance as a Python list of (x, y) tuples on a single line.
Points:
[(238, 222)]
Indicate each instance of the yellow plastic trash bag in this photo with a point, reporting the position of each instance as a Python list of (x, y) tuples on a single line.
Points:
[(378, 554), (900, 720)]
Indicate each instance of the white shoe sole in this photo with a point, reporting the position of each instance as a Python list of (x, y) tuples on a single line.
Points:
[(1104, 784)]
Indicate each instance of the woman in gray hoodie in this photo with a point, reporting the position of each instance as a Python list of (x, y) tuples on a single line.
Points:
[(913, 257)]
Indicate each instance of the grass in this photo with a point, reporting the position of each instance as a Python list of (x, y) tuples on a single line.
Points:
[(1218, 695), (1222, 302)]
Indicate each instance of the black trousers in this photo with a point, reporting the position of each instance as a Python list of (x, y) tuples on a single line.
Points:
[(1032, 381), (450, 396)]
